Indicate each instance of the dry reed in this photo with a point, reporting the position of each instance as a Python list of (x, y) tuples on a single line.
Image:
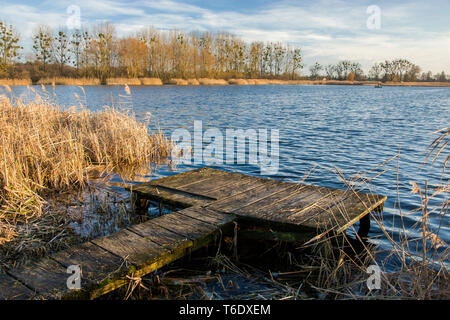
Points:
[(418, 253), (178, 82), (151, 81), (69, 81), (193, 82), (123, 81), (15, 82), (212, 82), (45, 149)]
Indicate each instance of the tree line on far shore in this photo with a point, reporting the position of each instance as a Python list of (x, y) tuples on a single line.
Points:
[(100, 53)]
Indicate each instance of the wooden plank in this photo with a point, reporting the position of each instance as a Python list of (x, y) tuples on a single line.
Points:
[(234, 188), (12, 289), (208, 216), (176, 198), (310, 195), (164, 237), (187, 177), (233, 203), (46, 277), (291, 199), (186, 226), (254, 208), (345, 212), (131, 247), (208, 186), (96, 263), (318, 207)]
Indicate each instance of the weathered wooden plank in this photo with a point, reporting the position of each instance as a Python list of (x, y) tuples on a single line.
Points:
[(208, 186), (186, 178), (164, 237), (317, 207), (12, 289), (345, 212), (234, 188), (96, 263), (233, 203), (131, 247), (174, 197), (186, 226), (305, 198), (208, 216), (47, 277), (254, 208)]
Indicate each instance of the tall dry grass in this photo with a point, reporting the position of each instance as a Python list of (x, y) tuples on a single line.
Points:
[(123, 81), (178, 82), (69, 81), (151, 82), (416, 265), (212, 82), (15, 82), (45, 149)]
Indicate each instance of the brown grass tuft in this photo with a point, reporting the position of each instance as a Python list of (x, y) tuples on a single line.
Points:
[(123, 81), (178, 82), (15, 82), (240, 82), (151, 81), (193, 82), (212, 82), (69, 81)]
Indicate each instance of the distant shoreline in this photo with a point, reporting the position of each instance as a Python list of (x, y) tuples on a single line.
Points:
[(209, 82)]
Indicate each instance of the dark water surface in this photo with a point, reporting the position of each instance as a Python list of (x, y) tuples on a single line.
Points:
[(353, 128)]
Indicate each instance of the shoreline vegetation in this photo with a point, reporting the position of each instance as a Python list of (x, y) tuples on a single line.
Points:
[(208, 82), (96, 54)]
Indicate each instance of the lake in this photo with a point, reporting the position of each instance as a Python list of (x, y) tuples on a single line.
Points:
[(353, 128)]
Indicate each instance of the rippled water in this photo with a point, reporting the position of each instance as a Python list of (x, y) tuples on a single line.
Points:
[(354, 128)]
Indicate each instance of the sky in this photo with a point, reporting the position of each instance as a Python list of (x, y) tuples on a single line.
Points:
[(326, 30)]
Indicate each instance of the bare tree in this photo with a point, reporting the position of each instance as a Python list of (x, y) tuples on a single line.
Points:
[(42, 45), (315, 70), (8, 45), (61, 49)]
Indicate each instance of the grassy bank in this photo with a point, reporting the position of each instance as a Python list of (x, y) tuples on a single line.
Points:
[(209, 82), (46, 150)]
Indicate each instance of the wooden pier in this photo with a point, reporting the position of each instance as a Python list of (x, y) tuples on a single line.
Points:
[(212, 201)]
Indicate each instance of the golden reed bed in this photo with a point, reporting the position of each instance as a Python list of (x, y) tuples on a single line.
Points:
[(47, 150), (208, 82)]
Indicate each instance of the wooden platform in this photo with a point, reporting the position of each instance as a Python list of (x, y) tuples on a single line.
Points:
[(213, 200), (283, 205)]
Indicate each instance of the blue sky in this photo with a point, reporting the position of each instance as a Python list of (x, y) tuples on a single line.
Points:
[(326, 30)]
